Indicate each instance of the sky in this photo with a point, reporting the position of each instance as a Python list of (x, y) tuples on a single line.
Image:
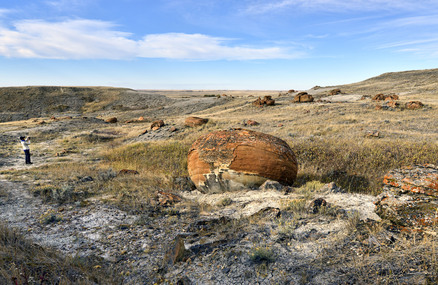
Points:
[(213, 44)]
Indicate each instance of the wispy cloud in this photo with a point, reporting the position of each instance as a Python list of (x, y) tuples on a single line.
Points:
[(91, 39), (67, 4), (261, 7)]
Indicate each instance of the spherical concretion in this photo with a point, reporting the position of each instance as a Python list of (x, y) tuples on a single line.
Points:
[(237, 159)]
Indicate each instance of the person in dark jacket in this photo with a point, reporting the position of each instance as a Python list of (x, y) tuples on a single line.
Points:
[(25, 142)]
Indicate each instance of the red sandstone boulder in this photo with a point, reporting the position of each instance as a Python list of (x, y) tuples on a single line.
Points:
[(157, 125), (251, 123), (195, 121), (413, 105), (237, 159), (335, 91), (378, 97), (303, 97), (112, 120)]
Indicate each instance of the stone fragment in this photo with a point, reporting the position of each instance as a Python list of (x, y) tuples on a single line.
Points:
[(237, 159), (176, 252), (195, 121)]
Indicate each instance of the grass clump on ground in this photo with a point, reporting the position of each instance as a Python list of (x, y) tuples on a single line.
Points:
[(22, 262)]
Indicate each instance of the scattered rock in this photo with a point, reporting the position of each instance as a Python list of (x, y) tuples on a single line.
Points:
[(173, 129), (413, 105), (236, 159), (157, 125), (112, 120), (303, 97), (291, 91), (335, 91), (410, 197), (195, 121), (251, 123), (392, 104), (268, 212), (128, 172)]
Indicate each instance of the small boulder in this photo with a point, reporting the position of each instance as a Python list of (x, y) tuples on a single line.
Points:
[(335, 91), (157, 125), (251, 123), (267, 100), (112, 120), (413, 105), (195, 121), (378, 97), (303, 97)]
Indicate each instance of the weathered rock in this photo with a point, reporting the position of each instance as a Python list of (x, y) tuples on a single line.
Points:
[(112, 120), (413, 105), (392, 104), (303, 97), (237, 159), (316, 205), (291, 91), (157, 124), (410, 197), (335, 91), (195, 121), (251, 123), (176, 252)]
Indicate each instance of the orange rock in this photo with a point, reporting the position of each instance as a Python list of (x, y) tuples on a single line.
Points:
[(412, 105), (236, 159), (335, 91), (157, 124), (252, 123), (303, 97), (111, 120), (140, 119), (195, 121)]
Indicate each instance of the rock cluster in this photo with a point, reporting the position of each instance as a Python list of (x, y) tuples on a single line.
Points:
[(410, 197), (303, 97), (267, 100), (157, 125), (236, 159)]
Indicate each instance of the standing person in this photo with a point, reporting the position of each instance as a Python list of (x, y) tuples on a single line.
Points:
[(25, 143)]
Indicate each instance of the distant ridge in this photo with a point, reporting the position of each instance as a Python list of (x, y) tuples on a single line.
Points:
[(407, 82)]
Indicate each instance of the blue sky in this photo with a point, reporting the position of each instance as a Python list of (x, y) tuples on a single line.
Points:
[(213, 44)]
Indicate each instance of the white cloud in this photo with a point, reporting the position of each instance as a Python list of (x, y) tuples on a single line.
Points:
[(261, 7), (90, 39)]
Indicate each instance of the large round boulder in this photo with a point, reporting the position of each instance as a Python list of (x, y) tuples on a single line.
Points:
[(236, 159)]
